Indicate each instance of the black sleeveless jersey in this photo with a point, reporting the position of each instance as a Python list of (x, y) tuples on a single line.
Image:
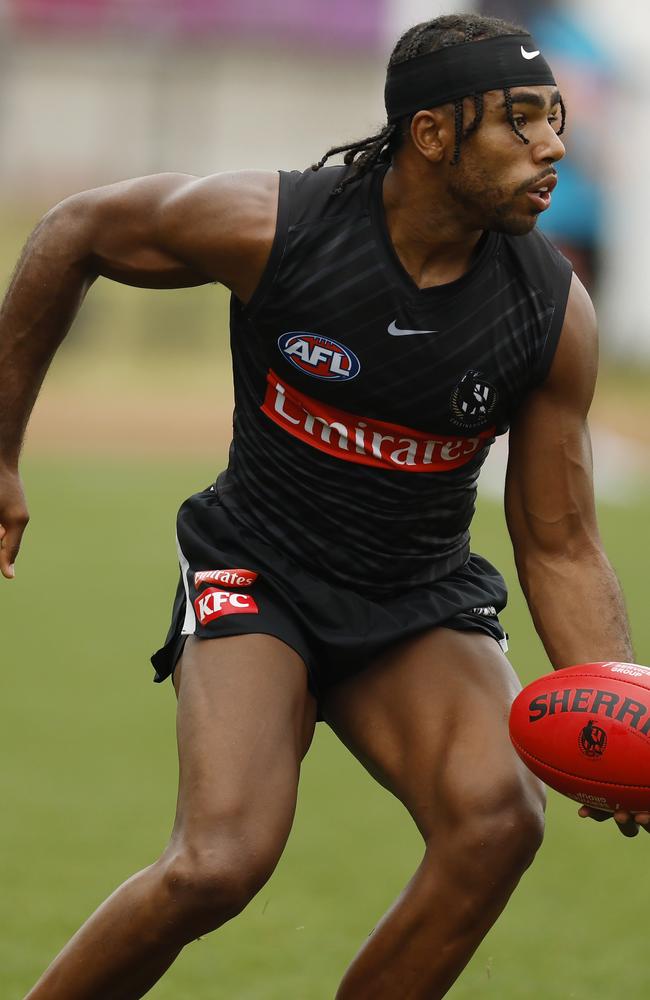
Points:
[(364, 406)]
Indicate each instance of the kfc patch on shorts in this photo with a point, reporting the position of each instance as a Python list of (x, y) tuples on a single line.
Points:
[(214, 603)]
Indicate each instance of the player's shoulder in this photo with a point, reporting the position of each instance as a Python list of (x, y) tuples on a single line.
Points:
[(539, 261), (573, 365), (578, 347), (239, 196), (313, 196), (225, 222)]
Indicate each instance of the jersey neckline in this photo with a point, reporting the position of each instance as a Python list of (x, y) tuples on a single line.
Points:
[(486, 248)]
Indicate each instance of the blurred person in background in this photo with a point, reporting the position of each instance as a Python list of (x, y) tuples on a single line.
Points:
[(575, 221), (327, 572)]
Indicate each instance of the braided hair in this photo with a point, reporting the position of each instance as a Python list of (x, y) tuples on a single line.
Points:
[(430, 36)]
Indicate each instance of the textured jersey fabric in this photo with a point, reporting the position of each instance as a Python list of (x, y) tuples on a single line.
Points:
[(364, 406)]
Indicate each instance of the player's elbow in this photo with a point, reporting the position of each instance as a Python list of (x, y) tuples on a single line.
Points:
[(568, 544), (563, 567), (65, 233)]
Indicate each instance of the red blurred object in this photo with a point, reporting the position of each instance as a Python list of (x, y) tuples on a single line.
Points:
[(585, 731), (355, 25)]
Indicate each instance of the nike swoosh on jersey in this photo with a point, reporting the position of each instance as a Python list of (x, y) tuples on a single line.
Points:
[(529, 55), (395, 331)]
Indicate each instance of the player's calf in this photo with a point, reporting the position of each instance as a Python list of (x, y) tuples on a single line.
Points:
[(477, 849)]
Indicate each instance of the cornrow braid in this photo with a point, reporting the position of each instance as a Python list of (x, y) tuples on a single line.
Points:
[(511, 117), (478, 115), (376, 152), (458, 130), (371, 149), (350, 149), (462, 133), (563, 121), (413, 47)]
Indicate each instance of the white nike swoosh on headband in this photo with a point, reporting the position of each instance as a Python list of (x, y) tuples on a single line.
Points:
[(395, 331), (529, 55)]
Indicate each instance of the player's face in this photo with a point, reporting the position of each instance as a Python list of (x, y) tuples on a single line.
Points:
[(500, 180)]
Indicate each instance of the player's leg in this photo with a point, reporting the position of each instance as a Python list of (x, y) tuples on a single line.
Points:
[(429, 721), (245, 720)]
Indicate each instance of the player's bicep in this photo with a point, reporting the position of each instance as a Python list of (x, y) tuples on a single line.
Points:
[(549, 484), (114, 232), (174, 230)]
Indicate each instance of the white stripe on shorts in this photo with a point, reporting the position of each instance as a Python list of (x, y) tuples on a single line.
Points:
[(189, 624)]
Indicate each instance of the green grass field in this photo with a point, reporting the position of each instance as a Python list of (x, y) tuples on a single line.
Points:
[(88, 789)]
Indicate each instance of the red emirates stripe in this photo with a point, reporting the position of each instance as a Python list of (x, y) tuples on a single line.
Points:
[(226, 577), (364, 440)]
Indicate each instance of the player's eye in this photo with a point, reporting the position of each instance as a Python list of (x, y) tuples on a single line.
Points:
[(520, 121)]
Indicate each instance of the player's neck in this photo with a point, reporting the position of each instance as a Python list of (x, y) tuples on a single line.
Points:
[(429, 237)]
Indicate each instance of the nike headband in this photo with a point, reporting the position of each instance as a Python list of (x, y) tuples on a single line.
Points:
[(457, 71)]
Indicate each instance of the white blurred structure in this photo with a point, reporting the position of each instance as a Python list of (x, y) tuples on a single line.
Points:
[(625, 151), (74, 113), (78, 110)]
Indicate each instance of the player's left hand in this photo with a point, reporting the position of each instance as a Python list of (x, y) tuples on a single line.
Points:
[(628, 823), (13, 519)]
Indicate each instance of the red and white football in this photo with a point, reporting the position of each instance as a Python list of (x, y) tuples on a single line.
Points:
[(585, 731)]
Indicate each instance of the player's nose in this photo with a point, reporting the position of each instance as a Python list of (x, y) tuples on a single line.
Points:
[(551, 149)]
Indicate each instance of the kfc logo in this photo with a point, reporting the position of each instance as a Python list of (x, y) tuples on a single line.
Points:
[(226, 577), (215, 603)]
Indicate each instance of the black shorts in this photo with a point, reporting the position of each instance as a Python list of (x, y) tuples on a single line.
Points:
[(233, 583)]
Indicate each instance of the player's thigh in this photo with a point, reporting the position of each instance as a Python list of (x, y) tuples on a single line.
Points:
[(245, 720), (429, 719)]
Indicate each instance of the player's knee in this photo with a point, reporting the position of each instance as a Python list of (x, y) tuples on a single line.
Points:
[(503, 827), (518, 830), (212, 884)]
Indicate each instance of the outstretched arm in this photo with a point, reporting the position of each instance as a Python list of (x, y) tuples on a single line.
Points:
[(572, 591), (167, 231)]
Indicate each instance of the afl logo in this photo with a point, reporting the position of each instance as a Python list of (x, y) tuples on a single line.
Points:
[(319, 356)]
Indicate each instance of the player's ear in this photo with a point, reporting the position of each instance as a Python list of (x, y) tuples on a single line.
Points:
[(432, 133)]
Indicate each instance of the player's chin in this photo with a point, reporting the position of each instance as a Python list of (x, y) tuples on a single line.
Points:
[(515, 224)]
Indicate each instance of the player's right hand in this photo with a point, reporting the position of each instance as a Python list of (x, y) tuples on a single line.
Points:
[(13, 520), (628, 823)]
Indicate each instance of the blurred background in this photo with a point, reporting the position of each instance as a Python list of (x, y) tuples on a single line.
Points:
[(136, 414), (96, 90)]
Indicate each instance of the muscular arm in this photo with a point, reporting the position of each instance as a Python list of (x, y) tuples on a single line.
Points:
[(166, 231), (572, 592)]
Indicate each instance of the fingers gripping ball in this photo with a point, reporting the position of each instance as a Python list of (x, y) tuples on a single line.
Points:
[(585, 731)]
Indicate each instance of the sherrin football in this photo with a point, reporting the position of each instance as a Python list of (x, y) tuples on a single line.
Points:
[(585, 731)]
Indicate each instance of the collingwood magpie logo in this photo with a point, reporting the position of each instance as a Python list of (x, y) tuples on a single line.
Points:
[(473, 400), (592, 740)]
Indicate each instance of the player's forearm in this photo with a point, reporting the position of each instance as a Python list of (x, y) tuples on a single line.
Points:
[(577, 607), (47, 288)]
